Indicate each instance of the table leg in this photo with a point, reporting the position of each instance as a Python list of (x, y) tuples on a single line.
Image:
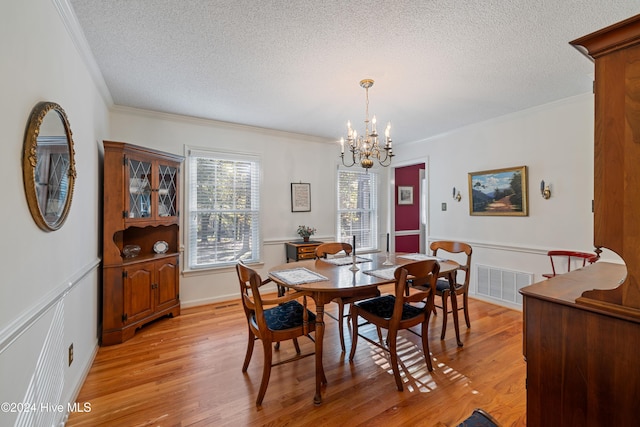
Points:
[(320, 377), (454, 308)]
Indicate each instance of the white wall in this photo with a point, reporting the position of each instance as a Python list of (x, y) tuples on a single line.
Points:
[(555, 142), (44, 272), (285, 158)]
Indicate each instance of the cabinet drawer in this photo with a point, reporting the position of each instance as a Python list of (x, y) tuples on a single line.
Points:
[(306, 249), (307, 255)]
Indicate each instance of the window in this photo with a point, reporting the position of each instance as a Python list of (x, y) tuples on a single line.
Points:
[(223, 208), (358, 208)]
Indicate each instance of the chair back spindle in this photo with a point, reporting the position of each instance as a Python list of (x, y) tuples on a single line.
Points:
[(570, 257)]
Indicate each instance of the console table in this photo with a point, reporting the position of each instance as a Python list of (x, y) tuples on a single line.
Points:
[(300, 250)]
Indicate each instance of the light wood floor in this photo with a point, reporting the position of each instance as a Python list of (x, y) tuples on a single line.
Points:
[(186, 371)]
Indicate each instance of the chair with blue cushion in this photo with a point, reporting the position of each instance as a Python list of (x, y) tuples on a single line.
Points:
[(443, 286), (400, 311), (332, 248), (479, 418), (286, 319)]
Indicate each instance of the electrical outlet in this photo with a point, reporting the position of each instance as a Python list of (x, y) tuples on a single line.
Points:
[(70, 354)]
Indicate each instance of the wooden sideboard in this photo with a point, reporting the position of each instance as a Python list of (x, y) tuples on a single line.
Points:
[(582, 362), (582, 329), (300, 250)]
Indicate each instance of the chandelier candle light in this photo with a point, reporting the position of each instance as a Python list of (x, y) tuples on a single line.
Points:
[(365, 148)]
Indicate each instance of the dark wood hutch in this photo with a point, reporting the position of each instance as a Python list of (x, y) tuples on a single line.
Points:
[(582, 329), (141, 213)]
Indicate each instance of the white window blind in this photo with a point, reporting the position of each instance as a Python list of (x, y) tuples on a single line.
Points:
[(358, 208), (223, 207)]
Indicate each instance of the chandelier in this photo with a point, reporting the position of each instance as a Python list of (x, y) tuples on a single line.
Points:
[(365, 148)]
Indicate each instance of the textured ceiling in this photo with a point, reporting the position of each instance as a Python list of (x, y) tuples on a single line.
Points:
[(294, 65)]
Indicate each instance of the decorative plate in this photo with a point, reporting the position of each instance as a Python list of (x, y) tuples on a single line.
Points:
[(160, 247)]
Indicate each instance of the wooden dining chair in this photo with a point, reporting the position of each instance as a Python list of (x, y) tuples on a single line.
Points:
[(287, 319), (569, 257), (479, 418), (399, 311), (333, 248), (443, 288)]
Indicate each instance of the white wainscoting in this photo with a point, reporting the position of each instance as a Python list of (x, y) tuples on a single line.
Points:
[(34, 351), (499, 271), (500, 284)]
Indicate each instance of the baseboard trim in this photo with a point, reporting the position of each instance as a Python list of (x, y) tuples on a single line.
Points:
[(494, 301)]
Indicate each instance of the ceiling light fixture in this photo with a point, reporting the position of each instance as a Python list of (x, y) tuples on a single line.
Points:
[(365, 148)]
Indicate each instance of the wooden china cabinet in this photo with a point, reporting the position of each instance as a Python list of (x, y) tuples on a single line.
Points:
[(582, 329), (140, 239)]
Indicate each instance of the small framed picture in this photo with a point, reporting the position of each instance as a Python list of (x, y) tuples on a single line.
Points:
[(300, 197), (405, 195)]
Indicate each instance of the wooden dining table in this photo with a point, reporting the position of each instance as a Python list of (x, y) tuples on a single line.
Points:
[(328, 279)]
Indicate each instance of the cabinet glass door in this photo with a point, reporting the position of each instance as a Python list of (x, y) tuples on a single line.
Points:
[(167, 190), (139, 189)]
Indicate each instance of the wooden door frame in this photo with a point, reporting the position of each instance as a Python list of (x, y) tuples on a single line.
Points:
[(391, 212)]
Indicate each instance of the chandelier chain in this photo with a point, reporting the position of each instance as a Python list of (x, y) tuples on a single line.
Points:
[(366, 121)]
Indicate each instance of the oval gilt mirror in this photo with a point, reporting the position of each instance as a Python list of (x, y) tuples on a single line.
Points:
[(48, 165)]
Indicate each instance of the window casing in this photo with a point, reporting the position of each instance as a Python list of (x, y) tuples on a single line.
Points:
[(223, 194), (358, 208)]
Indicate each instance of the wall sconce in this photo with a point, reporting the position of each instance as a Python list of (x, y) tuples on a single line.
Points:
[(456, 194), (545, 190)]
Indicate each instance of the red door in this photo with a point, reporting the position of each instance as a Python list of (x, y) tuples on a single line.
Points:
[(407, 207)]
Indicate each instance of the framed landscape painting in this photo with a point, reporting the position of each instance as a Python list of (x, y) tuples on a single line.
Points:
[(499, 192)]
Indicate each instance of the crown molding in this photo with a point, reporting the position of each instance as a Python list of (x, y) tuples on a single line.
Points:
[(202, 121), (74, 29)]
